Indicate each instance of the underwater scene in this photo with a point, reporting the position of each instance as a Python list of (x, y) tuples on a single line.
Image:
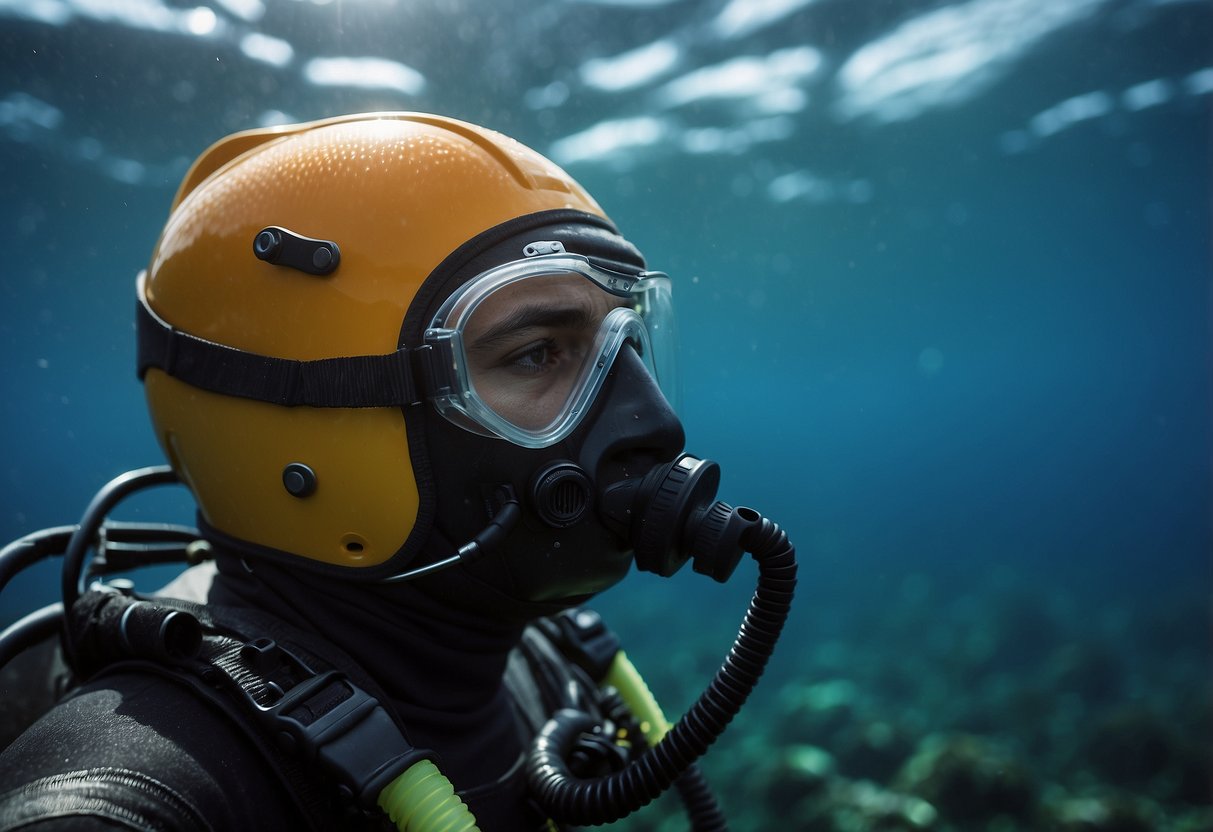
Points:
[(943, 280)]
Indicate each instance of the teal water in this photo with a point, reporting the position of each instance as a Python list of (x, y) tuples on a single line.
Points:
[(943, 276)]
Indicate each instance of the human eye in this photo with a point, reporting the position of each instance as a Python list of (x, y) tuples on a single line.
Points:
[(535, 358)]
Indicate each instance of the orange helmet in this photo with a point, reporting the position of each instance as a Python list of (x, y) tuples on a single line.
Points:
[(288, 248)]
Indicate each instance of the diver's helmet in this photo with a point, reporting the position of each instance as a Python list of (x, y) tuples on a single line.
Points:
[(359, 336)]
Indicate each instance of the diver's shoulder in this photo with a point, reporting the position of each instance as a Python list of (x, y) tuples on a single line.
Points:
[(141, 749)]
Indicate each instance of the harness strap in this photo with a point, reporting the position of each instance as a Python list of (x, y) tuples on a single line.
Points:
[(303, 714)]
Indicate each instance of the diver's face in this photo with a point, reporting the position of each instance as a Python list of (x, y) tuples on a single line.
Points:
[(528, 348), (528, 345)]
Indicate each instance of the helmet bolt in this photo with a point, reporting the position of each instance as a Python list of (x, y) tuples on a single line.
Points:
[(267, 244), (299, 480)]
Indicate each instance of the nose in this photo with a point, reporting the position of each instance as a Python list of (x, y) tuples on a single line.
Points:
[(631, 426)]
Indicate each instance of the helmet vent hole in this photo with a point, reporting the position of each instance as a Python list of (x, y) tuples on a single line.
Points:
[(353, 546), (562, 494)]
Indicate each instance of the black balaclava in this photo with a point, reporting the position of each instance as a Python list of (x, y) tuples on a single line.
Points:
[(438, 645)]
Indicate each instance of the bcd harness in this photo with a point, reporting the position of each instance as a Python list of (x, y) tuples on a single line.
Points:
[(316, 716)]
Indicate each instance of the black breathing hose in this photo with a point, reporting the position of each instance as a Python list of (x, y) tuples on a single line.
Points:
[(606, 799), (700, 804), (702, 809), (116, 490)]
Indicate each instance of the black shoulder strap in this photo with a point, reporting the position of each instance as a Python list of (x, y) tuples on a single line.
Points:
[(315, 723)]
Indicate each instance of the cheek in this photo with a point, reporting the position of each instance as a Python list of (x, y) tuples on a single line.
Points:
[(528, 406)]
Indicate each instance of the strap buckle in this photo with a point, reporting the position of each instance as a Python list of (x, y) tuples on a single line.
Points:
[(327, 719)]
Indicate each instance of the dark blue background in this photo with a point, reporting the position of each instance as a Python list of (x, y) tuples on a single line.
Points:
[(985, 378)]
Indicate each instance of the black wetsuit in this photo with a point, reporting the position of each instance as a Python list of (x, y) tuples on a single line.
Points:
[(140, 751)]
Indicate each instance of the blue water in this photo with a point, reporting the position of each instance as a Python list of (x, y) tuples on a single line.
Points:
[(943, 275)]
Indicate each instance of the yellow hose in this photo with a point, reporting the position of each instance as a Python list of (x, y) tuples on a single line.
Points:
[(423, 799), (624, 677)]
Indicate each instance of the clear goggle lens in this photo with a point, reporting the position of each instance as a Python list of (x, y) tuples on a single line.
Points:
[(526, 346)]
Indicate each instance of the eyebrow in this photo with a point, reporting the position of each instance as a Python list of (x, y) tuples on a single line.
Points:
[(534, 317)]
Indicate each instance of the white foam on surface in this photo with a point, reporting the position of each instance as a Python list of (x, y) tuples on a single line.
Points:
[(947, 56), (631, 69), (364, 73)]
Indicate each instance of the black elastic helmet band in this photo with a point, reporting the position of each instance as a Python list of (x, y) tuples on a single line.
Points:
[(351, 381)]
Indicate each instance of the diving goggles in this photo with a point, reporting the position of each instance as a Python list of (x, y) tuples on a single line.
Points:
[(523, 349)]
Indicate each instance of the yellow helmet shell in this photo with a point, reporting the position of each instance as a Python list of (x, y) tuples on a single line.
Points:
[(397, 192)]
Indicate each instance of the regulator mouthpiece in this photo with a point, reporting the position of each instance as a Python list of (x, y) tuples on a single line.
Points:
[(672, 514)]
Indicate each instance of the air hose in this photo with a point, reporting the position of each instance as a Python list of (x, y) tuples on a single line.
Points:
[(701, 806), (624, 677), (423, 799), (600, 800)]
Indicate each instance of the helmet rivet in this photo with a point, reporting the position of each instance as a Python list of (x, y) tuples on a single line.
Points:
[(322, 257), (299, 480), (267, 244)]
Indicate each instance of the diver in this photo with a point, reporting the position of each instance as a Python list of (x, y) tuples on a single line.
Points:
[(412, 376)]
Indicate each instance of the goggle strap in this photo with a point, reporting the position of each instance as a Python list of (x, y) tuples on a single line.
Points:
[(429, 380), (353, 381)]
